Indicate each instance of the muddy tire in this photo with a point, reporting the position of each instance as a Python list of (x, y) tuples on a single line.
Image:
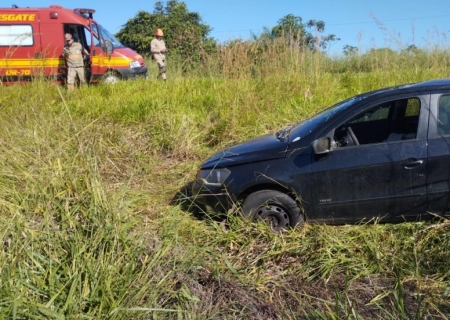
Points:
[(277, 208)]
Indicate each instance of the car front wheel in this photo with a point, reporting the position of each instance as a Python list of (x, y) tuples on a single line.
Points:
[(111, 77), (274, 207)]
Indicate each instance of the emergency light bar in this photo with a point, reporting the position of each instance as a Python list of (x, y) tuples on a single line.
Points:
[(85, 13)]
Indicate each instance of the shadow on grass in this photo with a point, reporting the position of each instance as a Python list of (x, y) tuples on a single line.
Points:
[(186, 200)]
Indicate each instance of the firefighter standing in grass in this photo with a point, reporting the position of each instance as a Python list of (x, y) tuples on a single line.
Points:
[(73, 52), (158, 50)]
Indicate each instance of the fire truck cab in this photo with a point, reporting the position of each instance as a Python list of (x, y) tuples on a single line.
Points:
[(32, 42)]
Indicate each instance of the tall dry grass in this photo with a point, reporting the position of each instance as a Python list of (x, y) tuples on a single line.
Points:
[(95, 222)]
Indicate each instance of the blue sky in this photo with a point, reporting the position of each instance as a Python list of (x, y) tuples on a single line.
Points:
[(360, 23)]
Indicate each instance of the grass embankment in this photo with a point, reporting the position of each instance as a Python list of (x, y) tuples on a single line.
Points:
[(89, 228)]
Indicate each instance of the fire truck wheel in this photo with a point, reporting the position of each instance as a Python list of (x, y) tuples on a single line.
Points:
[(111, 77)]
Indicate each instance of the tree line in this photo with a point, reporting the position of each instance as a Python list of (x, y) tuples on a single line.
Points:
[(186, 35)]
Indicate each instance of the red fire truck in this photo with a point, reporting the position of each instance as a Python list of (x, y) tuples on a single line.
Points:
[(32, 42)]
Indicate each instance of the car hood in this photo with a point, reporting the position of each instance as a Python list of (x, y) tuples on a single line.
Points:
[(263, 148)]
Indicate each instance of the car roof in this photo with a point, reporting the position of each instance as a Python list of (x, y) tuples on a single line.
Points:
[(404, 88)]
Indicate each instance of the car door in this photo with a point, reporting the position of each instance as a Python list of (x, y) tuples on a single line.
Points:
[(385, 175), (97, 54), (438, 177)]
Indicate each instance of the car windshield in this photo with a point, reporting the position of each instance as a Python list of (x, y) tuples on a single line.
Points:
[(108, 36), (305, 127)]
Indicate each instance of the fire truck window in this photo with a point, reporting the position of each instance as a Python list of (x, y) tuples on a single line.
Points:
[(94, 28), (97, 41), (75, 31), (87, 36), (79, 34), (70, 29), (16, 35)]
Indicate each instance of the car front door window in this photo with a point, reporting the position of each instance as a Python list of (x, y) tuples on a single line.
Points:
[(391, 121)]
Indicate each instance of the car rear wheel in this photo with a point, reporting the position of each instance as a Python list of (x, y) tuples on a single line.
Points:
[(274, 207)]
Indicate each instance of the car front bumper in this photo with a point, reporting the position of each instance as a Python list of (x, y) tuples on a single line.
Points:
[(133, 73), (213, 199)]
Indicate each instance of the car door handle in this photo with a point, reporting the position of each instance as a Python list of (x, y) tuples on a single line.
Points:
[(412, 163)]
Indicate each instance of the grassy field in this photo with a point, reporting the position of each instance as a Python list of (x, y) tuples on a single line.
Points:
[(95, 222)]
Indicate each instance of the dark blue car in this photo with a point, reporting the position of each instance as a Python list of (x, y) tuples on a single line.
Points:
[(381, 155)]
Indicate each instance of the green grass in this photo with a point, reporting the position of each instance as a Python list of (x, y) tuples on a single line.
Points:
[(90, 228)]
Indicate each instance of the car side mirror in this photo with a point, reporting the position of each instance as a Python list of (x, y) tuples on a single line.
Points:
[(322, 145)]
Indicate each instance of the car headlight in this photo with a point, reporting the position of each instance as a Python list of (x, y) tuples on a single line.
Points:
[(135, 64), (213, 177)]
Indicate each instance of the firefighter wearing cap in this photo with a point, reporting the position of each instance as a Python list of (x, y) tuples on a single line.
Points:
[(158, 50), (73, 52)]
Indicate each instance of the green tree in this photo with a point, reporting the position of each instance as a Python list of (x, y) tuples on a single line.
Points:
[(381, 52), (413, 50), (292, 28), (184, 32), (350, 50)]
